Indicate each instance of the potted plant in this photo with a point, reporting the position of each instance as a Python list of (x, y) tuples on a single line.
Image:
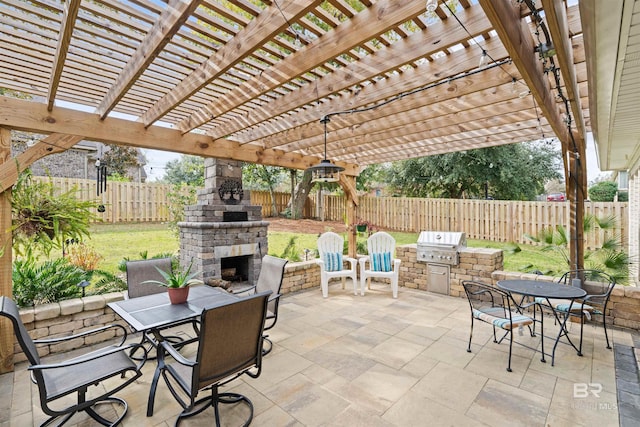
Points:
[(362, 225), (177, 283)]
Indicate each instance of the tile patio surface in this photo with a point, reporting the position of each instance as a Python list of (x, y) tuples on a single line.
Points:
[(374, 361)]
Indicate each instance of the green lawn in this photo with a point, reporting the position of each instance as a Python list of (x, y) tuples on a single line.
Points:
[(114, 242)]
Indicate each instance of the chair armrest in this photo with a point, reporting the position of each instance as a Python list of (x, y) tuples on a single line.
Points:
[(351, 261), (363, 260), (106, 351), (596, 297), (274, 297), (176, 354), (83, 334)]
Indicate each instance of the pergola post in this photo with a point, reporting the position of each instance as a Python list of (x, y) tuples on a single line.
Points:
[(6, 328), (576, 192), (348, 184)]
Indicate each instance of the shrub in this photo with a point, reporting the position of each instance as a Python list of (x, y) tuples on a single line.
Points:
[(50, 281), (604, 191)]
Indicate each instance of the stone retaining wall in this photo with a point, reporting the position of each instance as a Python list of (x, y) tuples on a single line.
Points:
[(78, 315)]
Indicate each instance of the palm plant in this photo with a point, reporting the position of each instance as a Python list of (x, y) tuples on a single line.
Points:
[(610, 257)]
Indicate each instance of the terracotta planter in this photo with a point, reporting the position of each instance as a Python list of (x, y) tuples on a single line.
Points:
[(178, 295)]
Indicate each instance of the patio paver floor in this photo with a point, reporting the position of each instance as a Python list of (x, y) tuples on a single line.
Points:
[(374, 361)]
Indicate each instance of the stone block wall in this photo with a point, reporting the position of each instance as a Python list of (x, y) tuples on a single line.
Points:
[(69, 317)]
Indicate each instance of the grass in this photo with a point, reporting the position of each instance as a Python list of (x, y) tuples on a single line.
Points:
[(117, 241)]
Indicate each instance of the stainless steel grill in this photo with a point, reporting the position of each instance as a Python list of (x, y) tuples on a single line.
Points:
[(440, 247)]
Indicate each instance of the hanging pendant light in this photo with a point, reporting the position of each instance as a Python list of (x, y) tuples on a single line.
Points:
[(432, 5), (325, 171)]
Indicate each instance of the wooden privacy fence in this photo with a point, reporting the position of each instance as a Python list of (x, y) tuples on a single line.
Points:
[(123, 201), (494, 220)]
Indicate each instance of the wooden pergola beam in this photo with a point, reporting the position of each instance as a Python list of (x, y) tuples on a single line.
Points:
[(258, 32), (169, 22), (517, 39), (71, 8), (413, 47), (370, 23), (55, 143), (519, 42), (32, 117)]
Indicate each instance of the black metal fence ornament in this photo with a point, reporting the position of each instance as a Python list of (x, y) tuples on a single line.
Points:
[(230, 192)]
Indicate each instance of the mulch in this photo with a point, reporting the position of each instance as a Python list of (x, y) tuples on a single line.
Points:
[(306, 226)]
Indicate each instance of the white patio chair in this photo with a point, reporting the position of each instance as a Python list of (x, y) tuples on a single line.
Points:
[(331, 262), (380, 262)]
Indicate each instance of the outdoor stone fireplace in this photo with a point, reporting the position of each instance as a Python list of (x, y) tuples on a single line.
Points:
[(223, 234)]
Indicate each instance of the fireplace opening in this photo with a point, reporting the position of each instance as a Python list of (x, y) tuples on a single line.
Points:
[(235, 269)]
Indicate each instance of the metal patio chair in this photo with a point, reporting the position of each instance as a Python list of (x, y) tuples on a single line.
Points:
[(269, 279), (229, 346), (93, 377), (497, 308), (138, 272), (598, 285)]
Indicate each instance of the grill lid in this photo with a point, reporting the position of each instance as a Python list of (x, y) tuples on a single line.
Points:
[(442, 239)]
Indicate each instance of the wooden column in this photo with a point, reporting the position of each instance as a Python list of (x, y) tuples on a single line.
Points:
[(6, 328), (576, 192), (348, 184)]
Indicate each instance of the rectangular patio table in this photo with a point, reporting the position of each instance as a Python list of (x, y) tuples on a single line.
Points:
[(151, 313), (548, 291)]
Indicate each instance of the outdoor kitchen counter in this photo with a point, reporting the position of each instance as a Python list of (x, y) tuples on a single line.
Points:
[(474, 264)]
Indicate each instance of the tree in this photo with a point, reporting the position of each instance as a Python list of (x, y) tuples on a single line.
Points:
[(507, 172), (186, 170), (299, 195), (372, 174), (603, 191), (119, 159), (261, 177)]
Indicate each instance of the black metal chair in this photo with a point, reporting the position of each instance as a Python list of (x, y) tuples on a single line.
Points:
[(138, 272), (83, 375), (497, 308), (229, 345), (269, 279), (599, 283)]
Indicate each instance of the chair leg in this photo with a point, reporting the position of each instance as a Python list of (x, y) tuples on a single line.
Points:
[(266, 349), (581, 331), (470, 336), (510, 348), (604, 325), (541, 332), (93, 414)]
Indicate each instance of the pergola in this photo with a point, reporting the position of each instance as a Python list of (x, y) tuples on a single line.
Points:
[(250, 80)]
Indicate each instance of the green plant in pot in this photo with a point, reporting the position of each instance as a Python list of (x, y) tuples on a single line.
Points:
[(177, 283)]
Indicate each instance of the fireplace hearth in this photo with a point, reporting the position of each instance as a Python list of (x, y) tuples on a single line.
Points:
[(223, 231)]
